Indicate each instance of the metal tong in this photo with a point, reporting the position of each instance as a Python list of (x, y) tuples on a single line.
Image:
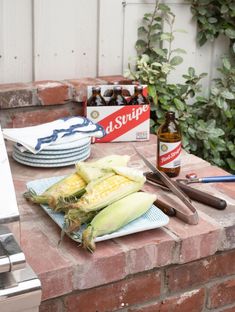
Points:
[(188, 218)]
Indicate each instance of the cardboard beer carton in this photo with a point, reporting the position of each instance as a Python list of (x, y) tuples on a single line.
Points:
[(121, 123)]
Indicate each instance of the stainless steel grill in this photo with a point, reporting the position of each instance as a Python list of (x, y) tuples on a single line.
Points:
[(20, 288)]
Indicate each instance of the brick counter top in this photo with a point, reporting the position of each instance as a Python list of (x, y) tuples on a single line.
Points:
[(140, 272)]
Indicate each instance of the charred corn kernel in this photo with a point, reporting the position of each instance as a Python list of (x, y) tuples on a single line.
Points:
[(115, 216), (104, 192), (71, 186)]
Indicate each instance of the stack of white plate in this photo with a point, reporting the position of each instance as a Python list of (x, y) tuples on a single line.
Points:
[(60, 154)]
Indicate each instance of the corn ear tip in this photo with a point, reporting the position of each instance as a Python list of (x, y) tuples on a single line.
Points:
[(88, 239), (29, 194)]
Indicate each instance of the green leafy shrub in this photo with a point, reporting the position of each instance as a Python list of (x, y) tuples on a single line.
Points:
[(207, 124), (214, 17)]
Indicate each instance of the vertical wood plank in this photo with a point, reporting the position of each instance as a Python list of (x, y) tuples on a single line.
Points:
[(15, 41), (220, 49), (65, 38), (110, 38), (134, 13)]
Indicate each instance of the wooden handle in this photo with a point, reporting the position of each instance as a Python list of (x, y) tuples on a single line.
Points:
[(167, 209), (192, 193)]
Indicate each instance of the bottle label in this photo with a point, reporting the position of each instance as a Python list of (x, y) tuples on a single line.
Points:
[(169, 154)]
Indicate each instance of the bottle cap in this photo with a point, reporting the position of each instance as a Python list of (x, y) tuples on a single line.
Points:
[(117, 88), (139, 87), (96, 88)]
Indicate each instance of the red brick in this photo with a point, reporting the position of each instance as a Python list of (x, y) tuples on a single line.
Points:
[(53, 92), (116, 79), (197, 241), (137, 289), (192, 301), (107, 264), (80, 87), (153, 307), (200, 272), (16, 95), (51, 266), (39, 116), (222, 294), (231, 309), (147, 250), (51, 306)]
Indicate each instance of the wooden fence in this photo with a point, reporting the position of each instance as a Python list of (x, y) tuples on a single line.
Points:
[(61, 39)]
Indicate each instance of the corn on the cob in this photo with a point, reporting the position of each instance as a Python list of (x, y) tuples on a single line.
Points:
[(105, 191), (116, 216), (74, 218), (96, 169), (69, 187)]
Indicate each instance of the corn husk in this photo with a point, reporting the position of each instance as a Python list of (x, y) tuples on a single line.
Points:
[(91, 171), (106, 190), (116, 215), (68, 188)]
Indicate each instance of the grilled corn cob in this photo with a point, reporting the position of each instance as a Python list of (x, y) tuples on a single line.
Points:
[(104, 191), (116, 216), (69, 187)]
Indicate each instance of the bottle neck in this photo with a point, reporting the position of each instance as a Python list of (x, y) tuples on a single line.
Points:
[(170, 116)]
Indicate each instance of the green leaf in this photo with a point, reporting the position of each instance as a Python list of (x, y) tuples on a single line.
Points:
[(202, 75), (232, 6), (179, 104), (230, 146), (140, 44), (160, 52), (202, 10), (215, 91), (163, 7), (154, 38), (224, 9), (176, 60), (156, 64), (220, 102), (230, 33), (226, 63), (152, 92), (179, 51), (191, 132), (142, 31), (191, 71), (227, 95), (231, 162), (166, 36), (212, 20), (156, 26), (216, 132)]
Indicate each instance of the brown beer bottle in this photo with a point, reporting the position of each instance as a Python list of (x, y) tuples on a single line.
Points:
[(169, 146), (117, 98), (138, 98), (96, 98)]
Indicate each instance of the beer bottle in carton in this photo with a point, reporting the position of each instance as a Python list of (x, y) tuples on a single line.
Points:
[(138, 98), (117, 98), (96, 98), (169, 146)]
